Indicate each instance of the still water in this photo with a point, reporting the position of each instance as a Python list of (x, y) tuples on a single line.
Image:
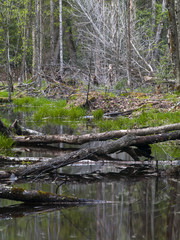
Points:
[(146, 208), (137, 209)]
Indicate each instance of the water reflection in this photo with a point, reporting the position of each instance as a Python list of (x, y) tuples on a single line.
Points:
[(148, 209)]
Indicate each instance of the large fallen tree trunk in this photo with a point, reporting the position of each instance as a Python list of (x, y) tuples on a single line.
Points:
[(38, 197), (104, 148), (70, 158), (72, 139)]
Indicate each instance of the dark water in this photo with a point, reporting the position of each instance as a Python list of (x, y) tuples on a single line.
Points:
[(146, 209)]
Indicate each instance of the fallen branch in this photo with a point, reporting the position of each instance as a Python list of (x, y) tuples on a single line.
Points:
[(104, 148), (72, 139), (70, 158)]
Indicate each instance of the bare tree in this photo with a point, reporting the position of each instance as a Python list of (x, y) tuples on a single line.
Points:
[(109, 27)]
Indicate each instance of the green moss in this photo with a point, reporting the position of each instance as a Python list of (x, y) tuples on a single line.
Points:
[(17, 190), (42, 193)]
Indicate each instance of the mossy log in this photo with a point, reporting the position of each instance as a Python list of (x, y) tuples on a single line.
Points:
[(38, 197)]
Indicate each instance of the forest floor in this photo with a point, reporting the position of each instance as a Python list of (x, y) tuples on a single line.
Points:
[(113, 100), (126, 102), (99, 99)]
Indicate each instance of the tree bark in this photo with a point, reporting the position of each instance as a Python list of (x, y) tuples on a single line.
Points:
[(72, 139)]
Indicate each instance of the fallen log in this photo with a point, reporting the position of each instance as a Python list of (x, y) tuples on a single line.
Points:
[(72, 139), (104, 148), (39, 197), (70, 158)]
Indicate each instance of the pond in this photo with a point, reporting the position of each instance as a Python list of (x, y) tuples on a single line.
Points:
[(136, 209), (129, 208)]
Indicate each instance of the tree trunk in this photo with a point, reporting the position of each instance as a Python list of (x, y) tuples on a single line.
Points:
[(159, 30), (40, 41), (153, 15), (52, 30), (34, 49), (60, 38), (129, 43), (178, 32), (72, 139), (37, 39), (174, 39), (70, 42), (8, 71)]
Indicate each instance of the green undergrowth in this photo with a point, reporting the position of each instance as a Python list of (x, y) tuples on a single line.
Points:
[(3, 94), (5, 144), (50, 111), (147, 118), (44, 108), (53, 112), (6, 122), (98, 114), (166, 151), (31, 101), (172, 97)]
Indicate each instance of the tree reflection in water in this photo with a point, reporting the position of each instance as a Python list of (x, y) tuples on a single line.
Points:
[(146, 209)]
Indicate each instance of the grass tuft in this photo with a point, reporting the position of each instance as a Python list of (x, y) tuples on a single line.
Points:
[(5, 144), (98, 114)]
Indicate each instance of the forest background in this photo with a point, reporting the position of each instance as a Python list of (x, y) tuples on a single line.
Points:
[(121, 43)]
